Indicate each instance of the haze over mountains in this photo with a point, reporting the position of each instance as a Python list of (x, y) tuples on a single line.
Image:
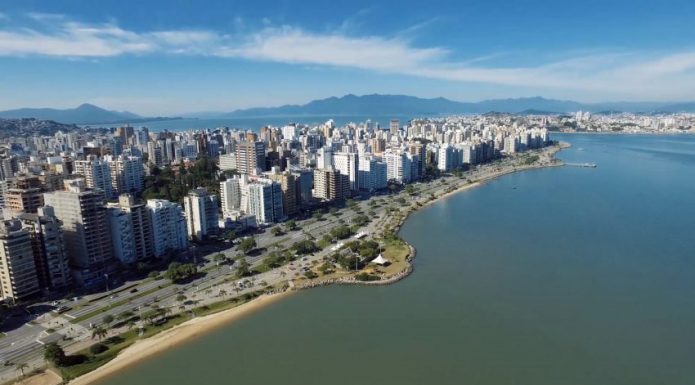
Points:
[(409, 105), (375, 105)]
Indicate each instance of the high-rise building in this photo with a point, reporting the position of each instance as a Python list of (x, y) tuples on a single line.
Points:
[(398, 166), (371, 174), (394, 126), (288, 184), (250, 157), (228, 162), (96, 173), (18, 277), (131, 232), (331, 185), (127, 175), (168, 226), (230, 193), (265, 200), (23, 200), (201, 213), (85, 229), (346, 164), (51, 260)]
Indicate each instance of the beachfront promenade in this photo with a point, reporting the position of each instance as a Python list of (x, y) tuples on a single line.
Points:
[(220, 283)]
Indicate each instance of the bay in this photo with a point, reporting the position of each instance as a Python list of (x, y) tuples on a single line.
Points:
[(255, 123), (553, 276)]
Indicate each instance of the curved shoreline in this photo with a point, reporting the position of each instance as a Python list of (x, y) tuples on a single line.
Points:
[(180, 334), (197, 327)]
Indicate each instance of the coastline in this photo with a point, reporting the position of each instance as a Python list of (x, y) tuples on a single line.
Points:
[(180, 334)]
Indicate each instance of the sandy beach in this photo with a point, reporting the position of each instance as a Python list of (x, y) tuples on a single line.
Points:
[(168, 339)]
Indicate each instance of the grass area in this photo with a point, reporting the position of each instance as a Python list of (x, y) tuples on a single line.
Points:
[(116, 304), (395, 251)]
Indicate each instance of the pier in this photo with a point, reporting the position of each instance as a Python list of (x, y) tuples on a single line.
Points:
[(589, 165)]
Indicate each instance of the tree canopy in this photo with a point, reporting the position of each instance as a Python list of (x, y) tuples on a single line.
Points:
[(180, 271)]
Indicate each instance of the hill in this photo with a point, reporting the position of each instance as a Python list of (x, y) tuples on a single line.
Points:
[(84, 114)]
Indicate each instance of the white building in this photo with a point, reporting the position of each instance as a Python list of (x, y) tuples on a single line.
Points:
[(398, 165), (228, 162), (96, 173), (168, 226), (346, 164), (18, 276), (127, 174), (265, 201), (230, 193), (371, 174), (201, 214)]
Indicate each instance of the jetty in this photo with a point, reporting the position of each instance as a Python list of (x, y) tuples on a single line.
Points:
[(589, 165)]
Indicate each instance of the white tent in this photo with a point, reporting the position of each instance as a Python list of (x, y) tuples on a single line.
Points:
[(380, 260)]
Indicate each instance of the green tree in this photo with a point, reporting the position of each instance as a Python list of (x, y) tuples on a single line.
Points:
[(247, 244), (54, 354), (277, 231), (230, 235), (219, 258), (305, 247), (242, 267), (180, 271), (107, 319), (291, 225), (99, 332)]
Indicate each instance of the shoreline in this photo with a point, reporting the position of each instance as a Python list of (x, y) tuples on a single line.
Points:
[(197, 327), (150, 347)]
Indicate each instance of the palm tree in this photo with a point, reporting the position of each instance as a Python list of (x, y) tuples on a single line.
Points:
[(99, 332), (20, 367)]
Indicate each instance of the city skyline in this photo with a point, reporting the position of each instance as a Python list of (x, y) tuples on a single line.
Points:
[(157, 59)]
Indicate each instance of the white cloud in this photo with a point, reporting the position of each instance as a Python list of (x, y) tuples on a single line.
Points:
[(630, 75)]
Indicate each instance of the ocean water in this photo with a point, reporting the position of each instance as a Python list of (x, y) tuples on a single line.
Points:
[(256, 123), (560, 276)]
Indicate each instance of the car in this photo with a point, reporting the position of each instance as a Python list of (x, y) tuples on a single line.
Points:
[(61, 309), (134, 290)]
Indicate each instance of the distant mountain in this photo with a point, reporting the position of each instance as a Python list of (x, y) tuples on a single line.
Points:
[(380, 105), (359, 105), (84, 114)]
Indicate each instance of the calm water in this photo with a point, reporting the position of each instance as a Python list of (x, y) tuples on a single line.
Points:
[(556, 276), (257, 123)]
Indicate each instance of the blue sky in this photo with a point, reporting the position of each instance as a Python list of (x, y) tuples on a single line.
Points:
[(176, 56)]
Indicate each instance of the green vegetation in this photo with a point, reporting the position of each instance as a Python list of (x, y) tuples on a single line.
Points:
[(291, 225), (242, 267), (277, 231), (305, 247), (531, 159), (171, 185), (247, 244), (341, 232), (178, 272), (54, 354)]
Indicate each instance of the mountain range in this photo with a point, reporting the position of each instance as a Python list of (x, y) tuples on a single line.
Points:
[(377, 104), (365, 105)]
